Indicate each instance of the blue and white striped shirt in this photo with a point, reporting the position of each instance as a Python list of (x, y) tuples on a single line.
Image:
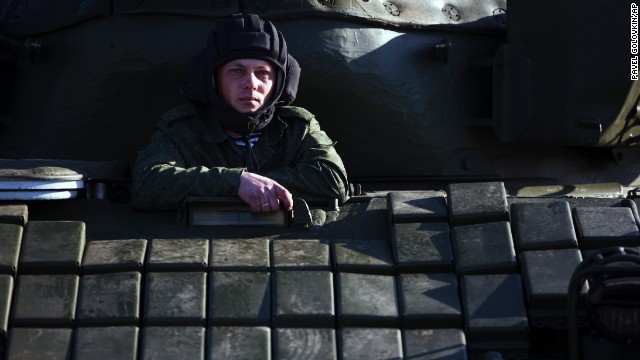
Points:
[(253, 138)]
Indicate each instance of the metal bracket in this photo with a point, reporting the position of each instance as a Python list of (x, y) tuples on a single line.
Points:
[(300, 215), (355, 189)]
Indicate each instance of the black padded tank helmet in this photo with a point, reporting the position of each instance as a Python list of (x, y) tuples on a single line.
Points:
[(243, 36)]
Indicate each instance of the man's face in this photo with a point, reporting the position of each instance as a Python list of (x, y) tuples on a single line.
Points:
[(246, 84)]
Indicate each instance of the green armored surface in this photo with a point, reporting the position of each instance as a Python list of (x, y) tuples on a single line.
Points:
[(602, 227), (98, 343), (173, 342), (10, 241), (303, 298), (14, 214), (368, 256), (373, 221), (114, 255), (39, 343), (368, 343), (338, 296), (303, 343), (178, 255), (110, 299), (301, 255), (547, 274), (45, 300), (447, 344), (477, 202), (239, 342), (484, 249), (175, 298), (422, 247), (6, 292), (418, 206), (53, 246), (238, 254), (496, 315), (367, 299), (239, 298), (540, 226), (429, 300)]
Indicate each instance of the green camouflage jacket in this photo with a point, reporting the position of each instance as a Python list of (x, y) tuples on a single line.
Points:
[(188, 156)]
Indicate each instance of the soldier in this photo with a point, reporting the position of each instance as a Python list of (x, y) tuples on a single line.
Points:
[(238, 136)]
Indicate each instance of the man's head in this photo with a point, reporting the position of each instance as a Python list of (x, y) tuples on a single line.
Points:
[(243, 40), (246, 84)]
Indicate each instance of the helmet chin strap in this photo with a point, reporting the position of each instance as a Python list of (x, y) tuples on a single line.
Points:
[(249, 157)]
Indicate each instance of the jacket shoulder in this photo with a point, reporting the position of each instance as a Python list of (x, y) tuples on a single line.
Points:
[(294, 112), (185, 111)]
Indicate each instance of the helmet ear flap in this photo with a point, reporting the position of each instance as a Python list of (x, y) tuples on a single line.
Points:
[(293, 78), (195, 89)]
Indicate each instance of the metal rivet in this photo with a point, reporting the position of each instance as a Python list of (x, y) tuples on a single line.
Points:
[(391, 8), (466, 164), (499, 18), (451, 12), (499, 11)]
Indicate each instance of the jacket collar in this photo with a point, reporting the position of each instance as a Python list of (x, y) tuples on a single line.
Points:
[(215, 133), (264, 149)]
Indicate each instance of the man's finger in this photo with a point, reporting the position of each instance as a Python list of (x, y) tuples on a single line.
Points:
[(285, 196), (267, 205), (272, 204)]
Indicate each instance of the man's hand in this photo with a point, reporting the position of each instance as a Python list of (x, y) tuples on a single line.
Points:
[(263, 194)]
